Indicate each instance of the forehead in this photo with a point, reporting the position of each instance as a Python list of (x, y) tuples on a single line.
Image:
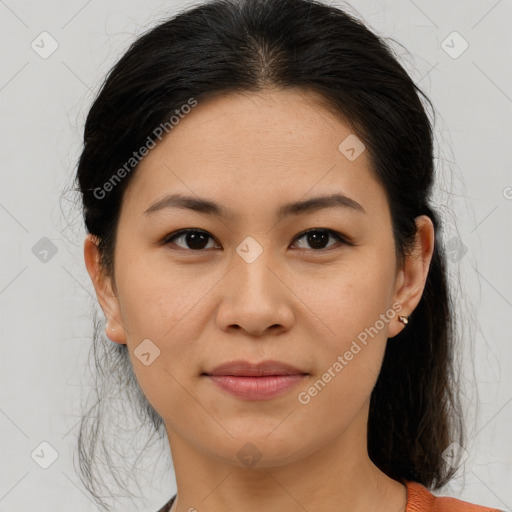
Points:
[(251, 148)]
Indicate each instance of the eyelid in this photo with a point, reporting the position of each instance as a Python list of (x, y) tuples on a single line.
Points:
[(343, 239)]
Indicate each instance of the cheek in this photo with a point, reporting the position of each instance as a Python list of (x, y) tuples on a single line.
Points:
[(355, 312), (159, 299), (169, 310), (353, 298)]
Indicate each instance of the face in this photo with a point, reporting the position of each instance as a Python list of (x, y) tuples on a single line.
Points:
[(249, 284)]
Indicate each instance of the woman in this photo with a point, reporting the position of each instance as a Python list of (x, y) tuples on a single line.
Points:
[(256, 180)]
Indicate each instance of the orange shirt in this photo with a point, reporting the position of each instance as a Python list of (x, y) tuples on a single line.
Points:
[(420, 499)]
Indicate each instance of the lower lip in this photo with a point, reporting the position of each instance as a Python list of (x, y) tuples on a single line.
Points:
[(256, 388)]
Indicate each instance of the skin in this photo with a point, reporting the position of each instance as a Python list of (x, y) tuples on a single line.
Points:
[(295, 303)]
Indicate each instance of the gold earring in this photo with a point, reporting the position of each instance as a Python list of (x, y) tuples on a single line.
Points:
[(403, 319)]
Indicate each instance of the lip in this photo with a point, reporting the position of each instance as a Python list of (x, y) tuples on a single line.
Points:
[(246, 369), (259, 381), (256, 388)]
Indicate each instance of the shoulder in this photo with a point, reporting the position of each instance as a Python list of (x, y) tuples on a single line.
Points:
[(420, 499)]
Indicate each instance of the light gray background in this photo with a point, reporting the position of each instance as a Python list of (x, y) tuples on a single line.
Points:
[(45, 324)]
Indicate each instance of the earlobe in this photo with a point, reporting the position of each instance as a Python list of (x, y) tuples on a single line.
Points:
[(115, 334), (104, 291)]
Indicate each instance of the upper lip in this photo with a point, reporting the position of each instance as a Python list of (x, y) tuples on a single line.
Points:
[(247, 369)]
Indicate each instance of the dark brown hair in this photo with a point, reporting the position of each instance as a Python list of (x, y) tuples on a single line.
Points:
[(225, 46)]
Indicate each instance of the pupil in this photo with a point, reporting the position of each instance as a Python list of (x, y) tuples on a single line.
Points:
[(193, 238), (314, 239)]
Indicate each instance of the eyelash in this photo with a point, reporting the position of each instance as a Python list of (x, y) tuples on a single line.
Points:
[(344, 240)]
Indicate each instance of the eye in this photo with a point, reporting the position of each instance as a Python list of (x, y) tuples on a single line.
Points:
[(317, 238), (193, 237), (197, 240)]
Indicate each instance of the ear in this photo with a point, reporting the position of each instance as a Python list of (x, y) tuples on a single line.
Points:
[(107, 298), (411, 278)]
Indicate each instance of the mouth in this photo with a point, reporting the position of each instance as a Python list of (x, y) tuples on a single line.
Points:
[(259, 381)]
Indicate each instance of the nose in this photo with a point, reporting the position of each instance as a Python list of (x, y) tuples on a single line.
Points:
[(255, 297)]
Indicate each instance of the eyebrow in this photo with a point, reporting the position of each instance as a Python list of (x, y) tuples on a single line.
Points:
[(208, 207)]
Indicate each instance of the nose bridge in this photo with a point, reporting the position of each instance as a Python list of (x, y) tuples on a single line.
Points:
[(252, 261)]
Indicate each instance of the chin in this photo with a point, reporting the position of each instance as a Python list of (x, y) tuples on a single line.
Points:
[(257, 449)]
